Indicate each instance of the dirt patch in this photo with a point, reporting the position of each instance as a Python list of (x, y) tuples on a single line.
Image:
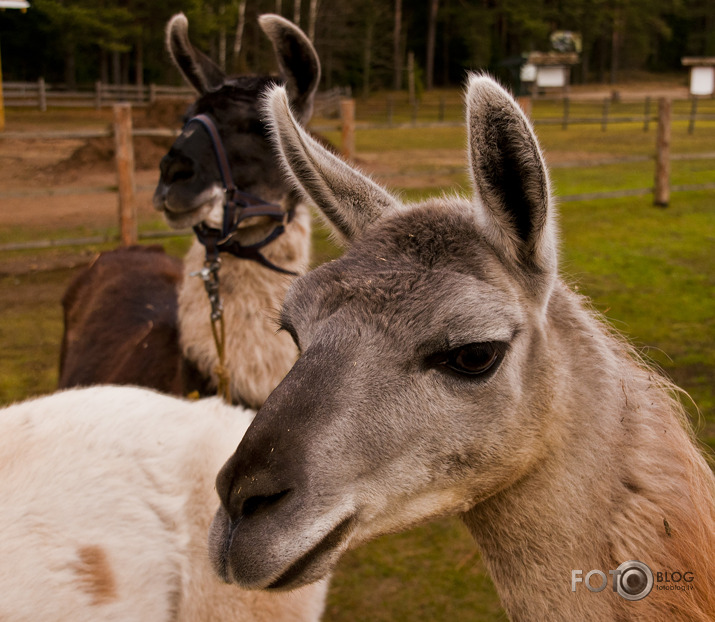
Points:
[(97, 154)]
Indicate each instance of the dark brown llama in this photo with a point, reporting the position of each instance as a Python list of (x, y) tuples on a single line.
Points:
[(131, 317)]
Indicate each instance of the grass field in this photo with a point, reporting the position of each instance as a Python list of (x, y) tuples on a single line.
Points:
[(650, 271)]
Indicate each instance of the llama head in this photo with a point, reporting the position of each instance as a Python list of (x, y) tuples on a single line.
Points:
[(423, 382), (190, 188)]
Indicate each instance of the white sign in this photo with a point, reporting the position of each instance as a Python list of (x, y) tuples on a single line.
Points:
[(528, 73), (551, 76), (14, 4), (702, 80)]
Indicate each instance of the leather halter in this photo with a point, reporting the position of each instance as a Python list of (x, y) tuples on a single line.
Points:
[(238, 207)]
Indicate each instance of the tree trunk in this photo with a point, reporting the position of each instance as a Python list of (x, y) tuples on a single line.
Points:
[(296, 12), (140, 60), (397, 57), (126, 62), (116, 68), (239, 31), (431, 38), (312, 17), (222, 37), (367, 57), (103, 66), (279, 7), (411, 77), (616, 44), (70, 66)]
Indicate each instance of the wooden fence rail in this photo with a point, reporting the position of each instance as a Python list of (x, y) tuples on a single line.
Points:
[(41, 95)]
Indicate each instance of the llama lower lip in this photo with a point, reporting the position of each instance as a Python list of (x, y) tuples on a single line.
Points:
[(291, 577), (219, 543)]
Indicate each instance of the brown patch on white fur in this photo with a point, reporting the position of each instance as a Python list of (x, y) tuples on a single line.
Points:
[(94, 574)]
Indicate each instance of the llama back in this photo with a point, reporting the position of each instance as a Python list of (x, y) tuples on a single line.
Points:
[(94, 489)]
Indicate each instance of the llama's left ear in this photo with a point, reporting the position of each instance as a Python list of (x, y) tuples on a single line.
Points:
[(197, 68), (298, 62), (349, 200), (510, 179)]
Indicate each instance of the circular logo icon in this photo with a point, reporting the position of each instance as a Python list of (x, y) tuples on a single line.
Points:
[(634, 580)]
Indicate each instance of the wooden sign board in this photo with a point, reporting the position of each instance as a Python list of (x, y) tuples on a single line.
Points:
[(702, 80)]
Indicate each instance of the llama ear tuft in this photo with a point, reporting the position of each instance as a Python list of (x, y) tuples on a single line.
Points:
[(509, 176), (198, 69), (297, 60), (349, 200)]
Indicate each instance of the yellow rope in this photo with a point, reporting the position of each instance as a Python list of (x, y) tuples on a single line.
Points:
[(222, 374)]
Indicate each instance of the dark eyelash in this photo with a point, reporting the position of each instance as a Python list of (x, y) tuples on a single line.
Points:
[(286, 326)]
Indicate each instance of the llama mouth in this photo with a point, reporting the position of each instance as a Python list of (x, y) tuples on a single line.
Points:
[(307, 568)]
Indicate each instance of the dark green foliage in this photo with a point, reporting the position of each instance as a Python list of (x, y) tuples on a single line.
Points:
[(114, 41)]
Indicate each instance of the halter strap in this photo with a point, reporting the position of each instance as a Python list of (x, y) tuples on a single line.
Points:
[(238, 207)]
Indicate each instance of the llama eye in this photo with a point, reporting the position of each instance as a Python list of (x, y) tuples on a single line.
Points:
[(472, 359)]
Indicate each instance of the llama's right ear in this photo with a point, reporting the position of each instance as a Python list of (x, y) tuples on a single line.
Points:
[(509, 177), (297, 60), (197, 68), (350, 201)]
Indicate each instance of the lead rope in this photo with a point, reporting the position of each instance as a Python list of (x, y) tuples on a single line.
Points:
[(209, 275)]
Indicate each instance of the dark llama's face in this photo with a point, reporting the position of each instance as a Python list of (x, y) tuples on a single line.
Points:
[(190, 188)]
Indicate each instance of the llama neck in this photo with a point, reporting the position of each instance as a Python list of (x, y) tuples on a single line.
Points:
[(257, 357), (619, 465)]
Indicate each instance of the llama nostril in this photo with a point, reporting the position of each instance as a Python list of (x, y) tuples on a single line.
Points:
[(261, 503), (176, 167), (180, 172)]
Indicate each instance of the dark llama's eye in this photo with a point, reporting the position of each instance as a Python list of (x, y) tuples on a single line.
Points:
[(472, 359)]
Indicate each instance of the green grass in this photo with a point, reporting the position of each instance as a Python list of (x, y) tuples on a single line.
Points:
[(651, 271), (30, 333)]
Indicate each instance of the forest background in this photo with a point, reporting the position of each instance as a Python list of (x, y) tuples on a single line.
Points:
[(362, 43)]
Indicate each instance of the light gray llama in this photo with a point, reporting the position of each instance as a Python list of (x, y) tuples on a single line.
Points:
[(446, 368)]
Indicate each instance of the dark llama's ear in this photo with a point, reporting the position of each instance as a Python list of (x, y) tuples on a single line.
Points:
[(509, 177), (350, 201), (197, 68), (298, 62)]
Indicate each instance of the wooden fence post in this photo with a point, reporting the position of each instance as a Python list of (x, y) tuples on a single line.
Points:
[(565, 122), (646, 114), (98, 95), (152, 93), (693, 112), (661, 194), (125, 173), (41, 95), (347, 118), (524, 102), (604, 117)]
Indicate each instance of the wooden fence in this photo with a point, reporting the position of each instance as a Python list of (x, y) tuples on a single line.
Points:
[(41, 95), (124, 156)]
